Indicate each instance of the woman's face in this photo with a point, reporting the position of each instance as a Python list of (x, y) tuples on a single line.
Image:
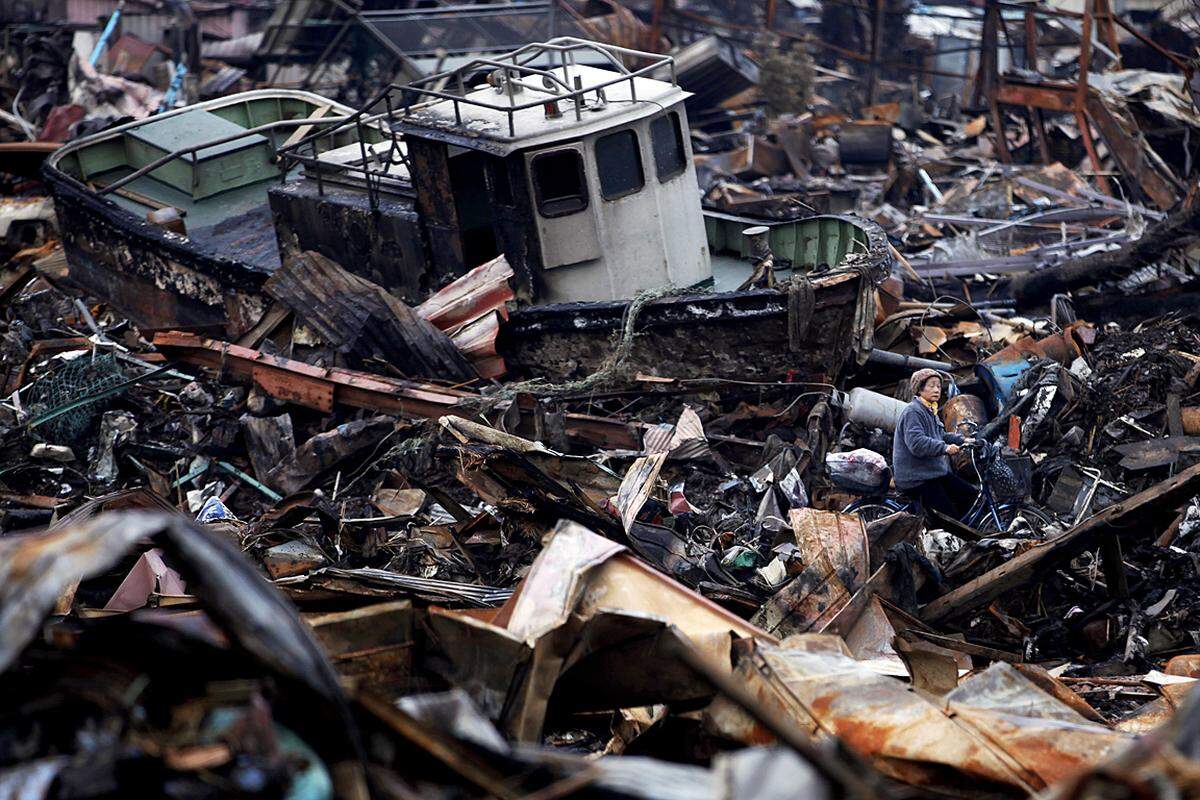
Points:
[(931, 391)]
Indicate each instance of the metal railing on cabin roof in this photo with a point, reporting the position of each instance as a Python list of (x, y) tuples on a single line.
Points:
[(558, 88), (517, 61)]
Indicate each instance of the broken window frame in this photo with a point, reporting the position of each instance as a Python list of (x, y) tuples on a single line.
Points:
[(676, 132), (541, 200), (602, 171)]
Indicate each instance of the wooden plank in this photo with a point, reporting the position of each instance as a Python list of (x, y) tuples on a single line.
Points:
[(372, 645), (362, 320), (1174, 415), (957, 527), (1039, 560), (271, 319), (304, 130), (1156, 452), (16, 283), (372, 626)]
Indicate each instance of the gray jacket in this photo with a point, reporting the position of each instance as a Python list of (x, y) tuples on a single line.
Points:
[(919, 446)]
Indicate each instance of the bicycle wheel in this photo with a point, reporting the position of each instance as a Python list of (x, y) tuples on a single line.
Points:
[(1020, 519), (870, 510)]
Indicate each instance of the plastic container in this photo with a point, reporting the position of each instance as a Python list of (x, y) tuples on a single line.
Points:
[(872, 409)]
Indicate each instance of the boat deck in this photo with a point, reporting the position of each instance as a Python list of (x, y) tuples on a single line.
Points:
[(238, 223), (730, 272), (234, 224)]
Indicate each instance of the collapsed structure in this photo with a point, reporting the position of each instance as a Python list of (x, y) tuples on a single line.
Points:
[(468, 401)]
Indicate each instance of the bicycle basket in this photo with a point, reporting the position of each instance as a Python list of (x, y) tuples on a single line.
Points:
[(1010, 477)]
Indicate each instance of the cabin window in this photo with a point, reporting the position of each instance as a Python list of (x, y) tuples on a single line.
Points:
[(666, 140), (619, 163), (559, 183)]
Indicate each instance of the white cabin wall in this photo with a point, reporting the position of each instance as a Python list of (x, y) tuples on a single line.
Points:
[(649, 239), (683, 230)]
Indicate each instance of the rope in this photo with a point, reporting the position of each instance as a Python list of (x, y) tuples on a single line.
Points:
[(609, 370), (612, 367)]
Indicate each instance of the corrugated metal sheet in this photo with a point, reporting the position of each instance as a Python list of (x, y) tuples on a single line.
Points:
[(89, 11), (149, 27), (143, 21)]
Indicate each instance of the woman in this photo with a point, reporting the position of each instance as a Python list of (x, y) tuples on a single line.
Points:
[(921, 451)]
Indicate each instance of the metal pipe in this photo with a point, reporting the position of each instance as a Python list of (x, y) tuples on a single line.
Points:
[(888, 358), (108, 32), (563, 45)]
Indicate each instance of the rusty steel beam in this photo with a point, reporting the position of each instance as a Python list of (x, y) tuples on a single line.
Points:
[(322, 388), (1085, 57), (1103, 13), (1081, 96), (313, 387), (1031, 63), (1046, 96), (1125, 142)]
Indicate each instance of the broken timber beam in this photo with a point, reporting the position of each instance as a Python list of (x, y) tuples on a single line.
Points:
[(1044, 558), (321, 388), (1128, 147), (1177, 230)]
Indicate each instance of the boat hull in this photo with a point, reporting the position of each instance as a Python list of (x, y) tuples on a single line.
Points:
[(156, 277), (747, 336), (152, 276)]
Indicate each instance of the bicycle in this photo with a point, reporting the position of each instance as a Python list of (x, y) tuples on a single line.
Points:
[(987, 514)]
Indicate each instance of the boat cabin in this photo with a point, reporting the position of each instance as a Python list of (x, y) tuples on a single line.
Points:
[(580, 175)]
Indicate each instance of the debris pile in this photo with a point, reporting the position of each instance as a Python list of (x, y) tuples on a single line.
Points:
[(435, 539), (526, 429)]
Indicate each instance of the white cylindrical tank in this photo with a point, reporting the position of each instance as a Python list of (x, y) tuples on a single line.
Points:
[(872, 409)]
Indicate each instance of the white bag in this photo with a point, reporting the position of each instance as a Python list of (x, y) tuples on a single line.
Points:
[(862, 470)]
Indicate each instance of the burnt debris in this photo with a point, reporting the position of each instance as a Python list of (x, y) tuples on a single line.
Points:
[(499, 400)]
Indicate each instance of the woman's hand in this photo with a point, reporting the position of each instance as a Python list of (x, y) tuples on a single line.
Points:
[(952, 449)]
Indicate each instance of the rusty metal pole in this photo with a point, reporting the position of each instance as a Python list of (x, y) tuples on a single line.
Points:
[(987, 79), (985, 73), (1081, 96), (770, 23), (876, 45), (1085, 58), (1104, 14), (656, 21), (1031, 63)]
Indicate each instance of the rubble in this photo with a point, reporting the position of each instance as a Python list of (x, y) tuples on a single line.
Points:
[(498, 400)]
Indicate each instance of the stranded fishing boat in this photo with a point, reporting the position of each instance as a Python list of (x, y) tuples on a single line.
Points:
[(574, 167), (167, 218)]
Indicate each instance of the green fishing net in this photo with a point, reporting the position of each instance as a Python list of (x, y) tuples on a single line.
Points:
[(72, 381)]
